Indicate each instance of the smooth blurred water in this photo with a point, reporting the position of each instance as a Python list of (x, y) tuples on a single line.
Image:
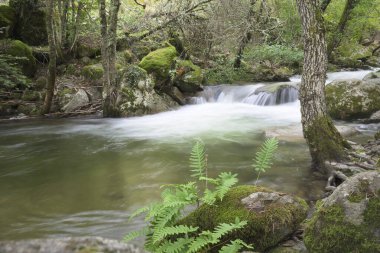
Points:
[(78, 177)]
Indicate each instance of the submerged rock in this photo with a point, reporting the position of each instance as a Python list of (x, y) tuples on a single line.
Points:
[(271, 216), (352, 98), (67, 245), (349, 219)]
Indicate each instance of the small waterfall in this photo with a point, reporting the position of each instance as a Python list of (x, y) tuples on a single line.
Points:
[(258, 94)]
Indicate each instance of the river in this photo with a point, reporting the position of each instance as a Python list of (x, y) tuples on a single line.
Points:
[(79, 177)]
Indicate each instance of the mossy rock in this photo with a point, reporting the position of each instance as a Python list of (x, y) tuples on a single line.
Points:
[(276, 87), (23, 53), (352, 99), (269, 222), (159, 62), (93, 72), (7, 21), (189, 77), (87, 50), (134, 76), (128, 56), (349, 219)]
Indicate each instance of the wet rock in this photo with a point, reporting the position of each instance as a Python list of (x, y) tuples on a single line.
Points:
[(290, 246), (372, 75), (189, 77), (67, 245), (349, 219), (271, 216), (352, 98), (294, 133), (78, 100), (93, 72)]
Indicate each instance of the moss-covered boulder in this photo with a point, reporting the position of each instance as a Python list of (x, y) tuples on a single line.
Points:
[(349, 219), (189, 77), (93, 72), (31, 21), (86, 49), (7, 21), (22, 53), (271, 216), (352, 99), (138, 97), (159, 62)]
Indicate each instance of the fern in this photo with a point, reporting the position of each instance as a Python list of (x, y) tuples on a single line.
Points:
[(135, 234), (165, 234), (198, 161), (263, 158), (160, 234), (234, 247)]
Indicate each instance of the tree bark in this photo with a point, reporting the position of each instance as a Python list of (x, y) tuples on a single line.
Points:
[(52, 58), (108, 32), (325, 142)]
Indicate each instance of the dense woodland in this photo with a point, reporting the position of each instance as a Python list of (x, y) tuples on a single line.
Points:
[(126, 58)]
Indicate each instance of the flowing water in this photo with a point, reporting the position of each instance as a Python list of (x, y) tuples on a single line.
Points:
[(78, 177)]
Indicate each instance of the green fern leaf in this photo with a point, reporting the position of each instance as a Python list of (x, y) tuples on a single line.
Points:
[(135, 234), (209, 197), (234, 247), (204, 239), (198, 160), (177, 246), (263, 159), (225, 228), (227, 180), (160, 234)]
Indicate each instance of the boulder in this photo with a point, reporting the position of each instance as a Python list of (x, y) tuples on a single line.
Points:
[(67, 245), (93, 72), (349, 219), (138, 96), (352, 98), (78, 100), (7, 21), (87, 50), (189, 77), (23, 52), (271, 216), (277, 93), (159, 62)]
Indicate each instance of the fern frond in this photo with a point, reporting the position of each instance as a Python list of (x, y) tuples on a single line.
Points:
[(139, 211), (263, 159), (198, 159), (160, 234), (225, 228), (209, 197), (226, 181), (165, 217), (177, 246), (234, 247), (135, 234), (204, 239)]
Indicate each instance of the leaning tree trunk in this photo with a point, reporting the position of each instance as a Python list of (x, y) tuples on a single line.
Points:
[(108, 32), (52, 58), (325, 142)]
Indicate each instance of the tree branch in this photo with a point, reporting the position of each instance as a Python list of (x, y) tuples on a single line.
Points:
[(140, 4)]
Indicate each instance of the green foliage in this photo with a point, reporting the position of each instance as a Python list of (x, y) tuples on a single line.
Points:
[(264, 157), (274, 55), (11, 76), (165, 234)]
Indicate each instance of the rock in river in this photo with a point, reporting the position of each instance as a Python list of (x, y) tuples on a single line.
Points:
[(67, 245)]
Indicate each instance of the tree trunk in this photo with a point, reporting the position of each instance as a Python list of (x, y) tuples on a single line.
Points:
[(334, 43), (325, 142), (247, 35), (108, 31), (52, 58)]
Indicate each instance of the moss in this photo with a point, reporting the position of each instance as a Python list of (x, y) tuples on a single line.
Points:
[(134, 74), (25, 58), (159, 62), (128, 56), (86, 50), (265, 229), (7, 21), (93, 72), (328, 231), (325, 142)]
